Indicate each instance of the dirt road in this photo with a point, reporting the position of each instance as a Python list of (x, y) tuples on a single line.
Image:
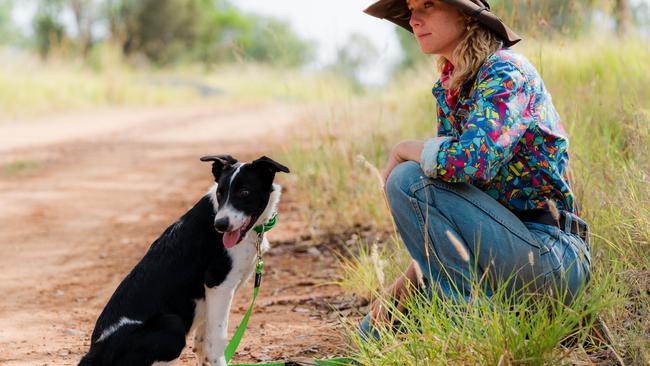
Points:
[(83, 196)]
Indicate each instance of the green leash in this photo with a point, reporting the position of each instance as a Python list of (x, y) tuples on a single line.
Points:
[(239, 332), (260, 229)]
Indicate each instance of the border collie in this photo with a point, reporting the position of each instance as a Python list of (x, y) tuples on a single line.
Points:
[(187, 279)]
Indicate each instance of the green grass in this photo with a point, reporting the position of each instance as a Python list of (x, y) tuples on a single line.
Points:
[(600, 88), (501, 330), (20, 167)]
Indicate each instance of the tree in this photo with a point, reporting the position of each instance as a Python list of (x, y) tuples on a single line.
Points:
[(623, 16), (210, 31), (6, 33), (411, 53), (357, 52), (165, 29), (48, 30), (270, 40), (85, 15)]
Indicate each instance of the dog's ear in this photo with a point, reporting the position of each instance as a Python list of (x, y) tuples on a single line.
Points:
[(270, 164), (219, 164)]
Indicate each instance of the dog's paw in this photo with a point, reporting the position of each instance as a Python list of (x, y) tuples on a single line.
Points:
[(210, 361), (198, 347)]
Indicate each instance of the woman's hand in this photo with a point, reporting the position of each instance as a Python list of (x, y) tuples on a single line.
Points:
[(404, 151), (399, 291), (378, 312)]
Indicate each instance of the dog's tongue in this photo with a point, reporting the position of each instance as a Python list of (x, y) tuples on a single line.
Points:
[(230, 238)]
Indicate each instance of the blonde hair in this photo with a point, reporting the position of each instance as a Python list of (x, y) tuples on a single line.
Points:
[(470, 54)]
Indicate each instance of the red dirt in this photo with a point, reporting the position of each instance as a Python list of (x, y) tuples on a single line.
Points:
[(88, 201)]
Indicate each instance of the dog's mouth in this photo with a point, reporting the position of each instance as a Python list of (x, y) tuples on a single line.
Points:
[(232, 238)]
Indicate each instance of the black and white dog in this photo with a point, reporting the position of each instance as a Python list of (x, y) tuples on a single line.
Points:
[(187, 279)]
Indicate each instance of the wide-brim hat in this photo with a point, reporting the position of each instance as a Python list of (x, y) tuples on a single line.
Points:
[(398, 12)]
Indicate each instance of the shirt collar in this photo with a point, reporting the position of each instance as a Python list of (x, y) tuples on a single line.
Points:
[(447, 99)]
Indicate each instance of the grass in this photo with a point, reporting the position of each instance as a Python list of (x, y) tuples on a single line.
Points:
[(599, 87), (20, 167), (30, 88), (486, 331)]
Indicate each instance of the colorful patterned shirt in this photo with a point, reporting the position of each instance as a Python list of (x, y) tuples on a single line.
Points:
[(503, 135)]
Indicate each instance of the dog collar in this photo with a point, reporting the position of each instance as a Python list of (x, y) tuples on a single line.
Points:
[(268, 225)]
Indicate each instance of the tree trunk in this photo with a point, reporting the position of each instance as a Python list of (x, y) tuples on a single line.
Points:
[(623, 16), (82, 18)]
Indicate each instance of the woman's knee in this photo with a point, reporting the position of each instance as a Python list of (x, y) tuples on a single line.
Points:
[(401, 180)]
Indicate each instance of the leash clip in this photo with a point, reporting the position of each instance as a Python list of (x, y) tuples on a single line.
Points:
[(260, 263)]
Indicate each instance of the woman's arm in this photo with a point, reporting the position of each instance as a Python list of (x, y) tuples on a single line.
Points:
[(404, 151), (498, 118)]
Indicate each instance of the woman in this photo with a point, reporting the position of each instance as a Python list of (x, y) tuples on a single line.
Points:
[(489, 196)]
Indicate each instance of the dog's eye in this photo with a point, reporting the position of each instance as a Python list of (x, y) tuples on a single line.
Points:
[(219, 196), (243, 193)]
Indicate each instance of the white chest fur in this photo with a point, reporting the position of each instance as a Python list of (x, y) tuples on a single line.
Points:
[(211, 341)]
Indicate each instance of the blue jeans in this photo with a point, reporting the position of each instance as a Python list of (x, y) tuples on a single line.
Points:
[(456, 233)]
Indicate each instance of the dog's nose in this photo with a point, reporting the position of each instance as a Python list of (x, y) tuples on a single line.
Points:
[(221, 224)]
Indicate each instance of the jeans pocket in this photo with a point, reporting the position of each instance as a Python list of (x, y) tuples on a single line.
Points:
[(582, 249), (573, 272), (549, 238)]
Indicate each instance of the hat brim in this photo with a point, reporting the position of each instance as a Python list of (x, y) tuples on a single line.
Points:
[(397, 11)]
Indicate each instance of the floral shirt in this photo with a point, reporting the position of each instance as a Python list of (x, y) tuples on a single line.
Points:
[(503, 135)]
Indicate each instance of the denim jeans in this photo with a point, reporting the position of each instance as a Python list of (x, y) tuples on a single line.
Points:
[(456, 233)]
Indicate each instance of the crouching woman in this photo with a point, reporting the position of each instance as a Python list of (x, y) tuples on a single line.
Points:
[(489, 196)]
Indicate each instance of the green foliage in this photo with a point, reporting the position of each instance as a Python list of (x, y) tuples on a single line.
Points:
[(271, 40), (227, 34), (6, 32), (357, 52), (164, 29), (209, 31), (48, 30), (49, 34), (411, 53)]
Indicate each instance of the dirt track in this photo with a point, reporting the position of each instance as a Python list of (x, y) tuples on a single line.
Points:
[(95, 190)]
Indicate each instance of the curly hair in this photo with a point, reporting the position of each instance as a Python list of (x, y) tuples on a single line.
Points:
[(472, 51)]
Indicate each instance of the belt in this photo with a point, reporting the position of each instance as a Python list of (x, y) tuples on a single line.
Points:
[(545, 217)]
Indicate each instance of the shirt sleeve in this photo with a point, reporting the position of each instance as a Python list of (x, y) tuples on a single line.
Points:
[(497, 119)]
